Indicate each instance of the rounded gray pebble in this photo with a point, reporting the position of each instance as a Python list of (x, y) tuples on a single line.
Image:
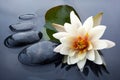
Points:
[(39, 53), (22, 38)]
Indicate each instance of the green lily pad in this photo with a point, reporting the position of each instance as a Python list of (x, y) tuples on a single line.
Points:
[(59, 15)]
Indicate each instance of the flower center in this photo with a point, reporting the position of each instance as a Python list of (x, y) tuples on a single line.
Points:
[(81, 43)]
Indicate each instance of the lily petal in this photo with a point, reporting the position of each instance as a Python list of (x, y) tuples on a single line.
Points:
[(81, 64), (97, 32), (75, 20), (90, 46), (91, 55), (110, 43), (60, 35), (99, 44), (97, 19), (68, 27), (67, 40), (71, 53), (88, 24), (64, 50), (58, 48), (58, 27), (81, 31), (77, 57), (98, 59)]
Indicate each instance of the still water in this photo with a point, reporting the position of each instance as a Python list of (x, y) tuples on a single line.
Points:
[(12, 13)]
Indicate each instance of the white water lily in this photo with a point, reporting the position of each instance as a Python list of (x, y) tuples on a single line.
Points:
[(80, 42)]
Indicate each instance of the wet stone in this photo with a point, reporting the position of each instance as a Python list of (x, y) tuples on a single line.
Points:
[(22, 38), (27, 16), (39, 53), (22, 26)]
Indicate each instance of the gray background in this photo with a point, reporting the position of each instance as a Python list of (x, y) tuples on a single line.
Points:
[(12, 69)]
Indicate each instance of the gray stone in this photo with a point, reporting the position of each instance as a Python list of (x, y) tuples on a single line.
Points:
[(23, 38), (22, 26), (39, 53), (27, 16)]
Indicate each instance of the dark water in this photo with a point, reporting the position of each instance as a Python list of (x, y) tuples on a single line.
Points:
[(12, 69)]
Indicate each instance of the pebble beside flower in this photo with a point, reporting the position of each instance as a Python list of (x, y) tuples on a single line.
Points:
[(80, 42)]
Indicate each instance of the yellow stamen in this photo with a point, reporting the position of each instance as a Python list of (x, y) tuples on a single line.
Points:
[(81, 44)]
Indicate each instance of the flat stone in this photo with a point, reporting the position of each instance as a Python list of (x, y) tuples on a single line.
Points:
[(23, 38), (27, 16), (22, 26), (39, 53)]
